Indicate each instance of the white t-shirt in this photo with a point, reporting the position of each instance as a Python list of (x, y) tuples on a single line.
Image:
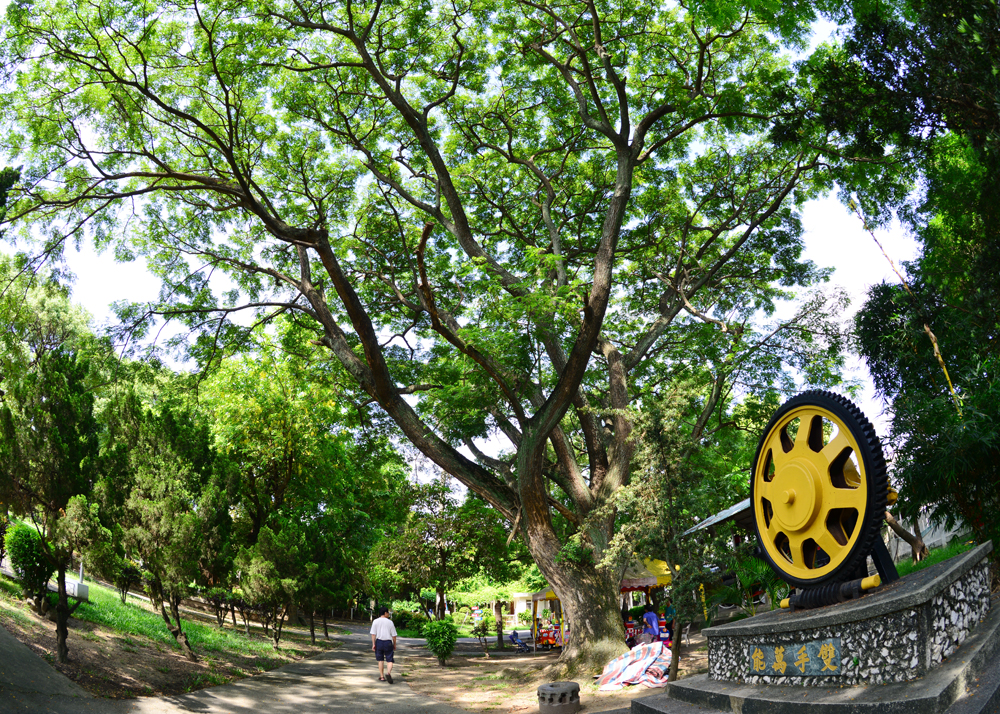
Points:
[(383, 629)]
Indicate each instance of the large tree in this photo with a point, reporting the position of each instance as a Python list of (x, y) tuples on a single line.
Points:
[(928, 79), (502, 219), (48, 451), (166, 487)]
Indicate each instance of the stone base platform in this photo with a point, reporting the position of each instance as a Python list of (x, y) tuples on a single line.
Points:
[(966, 683), (916, 646), (899, 632)]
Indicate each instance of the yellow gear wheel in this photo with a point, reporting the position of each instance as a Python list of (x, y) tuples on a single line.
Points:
[(817, 484)]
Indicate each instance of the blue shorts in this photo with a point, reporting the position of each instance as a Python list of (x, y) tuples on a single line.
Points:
[(384, 650)]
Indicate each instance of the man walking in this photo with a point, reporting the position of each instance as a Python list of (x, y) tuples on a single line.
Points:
[(384, 643)]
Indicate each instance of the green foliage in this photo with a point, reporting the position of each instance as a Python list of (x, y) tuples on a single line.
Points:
[(404, 614), (955, 547), (751, 575), (444, 543), (935, 68), (524, 617), (441, 636), (418, 620), (328, 493), (28, 559), (481, 631), (689, 473), (608, 214), (48, 436), (402, 619), (399, 606)]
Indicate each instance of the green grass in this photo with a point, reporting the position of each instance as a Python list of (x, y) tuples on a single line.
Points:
[(105, 608), (131, 619), (936, 556), (20, 618), (200, 681), (10, 587)]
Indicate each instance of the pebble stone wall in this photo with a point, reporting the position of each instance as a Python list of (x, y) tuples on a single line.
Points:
[(880, 650), (957, 610)]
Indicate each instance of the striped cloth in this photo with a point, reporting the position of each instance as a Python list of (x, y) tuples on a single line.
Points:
[(647, 665)]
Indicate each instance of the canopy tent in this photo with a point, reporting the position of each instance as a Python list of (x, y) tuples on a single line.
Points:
[(650, 573)]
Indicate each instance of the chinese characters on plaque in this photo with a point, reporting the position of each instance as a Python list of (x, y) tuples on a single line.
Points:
[(821, 657)]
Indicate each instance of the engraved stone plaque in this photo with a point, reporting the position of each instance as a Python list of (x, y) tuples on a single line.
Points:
[(799, 659)]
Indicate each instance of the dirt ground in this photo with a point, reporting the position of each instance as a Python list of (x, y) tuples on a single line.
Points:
[(110, 664), (508, 683)]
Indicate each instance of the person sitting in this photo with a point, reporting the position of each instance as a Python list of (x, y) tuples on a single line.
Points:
[(652, 623)]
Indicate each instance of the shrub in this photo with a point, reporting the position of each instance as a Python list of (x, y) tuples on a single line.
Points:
[(441, 636), (399, 606), (482, 632), (418, 620), (126, 577), (402, 618), (524, 617), (28, 561)]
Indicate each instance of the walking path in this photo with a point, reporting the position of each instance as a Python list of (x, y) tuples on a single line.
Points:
[(341, 681)]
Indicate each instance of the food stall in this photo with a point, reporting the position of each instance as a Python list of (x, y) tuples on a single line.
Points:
[(554, 635), (639, 576), (642, 577)]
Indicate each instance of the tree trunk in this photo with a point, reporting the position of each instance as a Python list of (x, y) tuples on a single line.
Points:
[(439, 603), (245, 616), (175, 626), (498, 617), (279, 622), (917, 547), (589, 599), (266, 614), (232, 613), (589, 596), (675, 653), (312, 626), (326, 631), (62, 617)]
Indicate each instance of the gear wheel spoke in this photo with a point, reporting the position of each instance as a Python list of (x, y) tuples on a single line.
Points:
[(828, 543), (841, 498), (795, 546), (836, 447)]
